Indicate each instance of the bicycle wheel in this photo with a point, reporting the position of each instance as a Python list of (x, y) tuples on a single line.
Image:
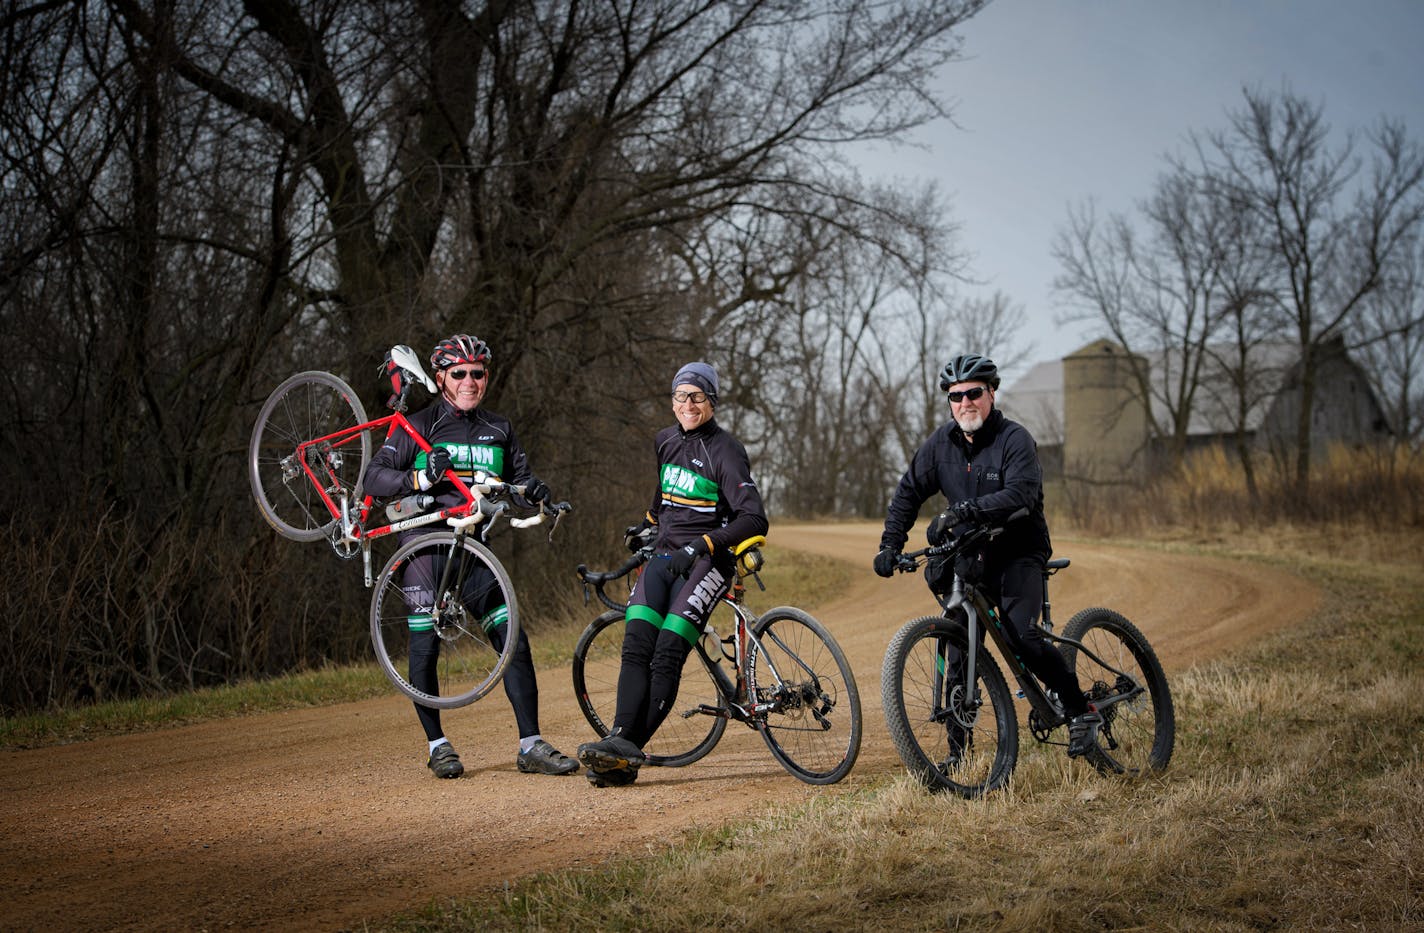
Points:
[(685, 736), (306, 407), (949, 741), (444, 620), (814, 726), (1137, 735)]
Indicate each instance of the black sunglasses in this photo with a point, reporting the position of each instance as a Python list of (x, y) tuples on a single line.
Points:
[(458, 374), (971, 394)]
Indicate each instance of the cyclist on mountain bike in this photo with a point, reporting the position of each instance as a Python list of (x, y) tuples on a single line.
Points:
[(705, 504), (468, 438), (987, 468)]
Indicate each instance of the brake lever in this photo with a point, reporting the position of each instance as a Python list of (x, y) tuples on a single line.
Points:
[(557, 510)]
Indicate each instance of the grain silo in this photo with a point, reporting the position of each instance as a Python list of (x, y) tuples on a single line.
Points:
[(1104, 421)]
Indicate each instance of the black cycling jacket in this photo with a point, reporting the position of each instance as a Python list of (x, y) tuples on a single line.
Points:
[(477, 440), (705, 489), (999, 473)]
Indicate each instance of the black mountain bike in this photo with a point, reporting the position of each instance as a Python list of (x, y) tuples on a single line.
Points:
[(951, 714), (788, 680)]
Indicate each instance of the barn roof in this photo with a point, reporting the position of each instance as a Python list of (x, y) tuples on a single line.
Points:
[(1036, 399)]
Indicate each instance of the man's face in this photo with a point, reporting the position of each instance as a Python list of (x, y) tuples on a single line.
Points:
[(690, 413), (463, 384), (969, 412)]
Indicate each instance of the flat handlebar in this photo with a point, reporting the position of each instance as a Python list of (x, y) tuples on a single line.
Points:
[(910, 561)]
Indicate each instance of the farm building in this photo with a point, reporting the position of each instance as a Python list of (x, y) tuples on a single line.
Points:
[(1086, 412)]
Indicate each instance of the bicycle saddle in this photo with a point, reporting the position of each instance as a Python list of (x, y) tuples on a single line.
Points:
[(406, 359)]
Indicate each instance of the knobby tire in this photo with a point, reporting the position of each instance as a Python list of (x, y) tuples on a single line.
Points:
[(815, 729), (946, 743), (1138, 735)]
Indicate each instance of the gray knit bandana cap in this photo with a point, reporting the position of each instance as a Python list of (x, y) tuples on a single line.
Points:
[(698, 374)]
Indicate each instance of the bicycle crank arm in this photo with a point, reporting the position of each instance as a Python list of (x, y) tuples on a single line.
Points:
[(704, 709)]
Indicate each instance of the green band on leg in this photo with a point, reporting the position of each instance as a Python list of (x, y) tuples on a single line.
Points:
[(495, 618), (646, 614), (420, 623), (680, 626)]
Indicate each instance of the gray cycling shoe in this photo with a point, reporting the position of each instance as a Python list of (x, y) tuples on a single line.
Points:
[(1083, 733), (614, 753), (444, 762), (544, 758)]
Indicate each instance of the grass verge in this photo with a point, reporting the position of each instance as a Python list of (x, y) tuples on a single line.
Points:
[(1295, 799)]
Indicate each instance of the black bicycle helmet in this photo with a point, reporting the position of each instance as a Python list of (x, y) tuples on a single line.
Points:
[(969, 367), (461, 348)]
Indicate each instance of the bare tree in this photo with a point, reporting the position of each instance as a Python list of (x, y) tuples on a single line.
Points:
[(1332, 229), (1391, 341), (1159, 295), (210, 196)]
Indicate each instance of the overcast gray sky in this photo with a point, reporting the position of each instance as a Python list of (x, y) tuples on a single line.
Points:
[(1058, 101)]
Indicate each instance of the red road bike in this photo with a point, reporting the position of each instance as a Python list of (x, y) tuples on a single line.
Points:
[(306, 459)]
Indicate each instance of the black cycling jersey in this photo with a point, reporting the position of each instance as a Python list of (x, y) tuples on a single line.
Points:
[(705, 489), (477, 440)]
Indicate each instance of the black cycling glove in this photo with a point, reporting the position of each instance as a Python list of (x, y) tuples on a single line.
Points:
[(637, 537), (535, 491), (437, 462), (681, 560)]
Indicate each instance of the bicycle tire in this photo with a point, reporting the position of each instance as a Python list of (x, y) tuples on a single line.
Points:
[(815, 729), (1137, 736), (685, 736), (471, 658), (926, 717), (306, 406)]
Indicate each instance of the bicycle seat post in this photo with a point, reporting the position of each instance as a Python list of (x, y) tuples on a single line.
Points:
[(1046, 620)]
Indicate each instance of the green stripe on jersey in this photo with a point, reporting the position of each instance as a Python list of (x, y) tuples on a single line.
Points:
[(680, 481)]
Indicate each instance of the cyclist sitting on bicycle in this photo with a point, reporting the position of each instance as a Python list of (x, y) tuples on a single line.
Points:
[(987, 468), (706, 504), (466, 438)]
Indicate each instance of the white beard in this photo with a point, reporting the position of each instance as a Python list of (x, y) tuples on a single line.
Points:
[(969, 423)]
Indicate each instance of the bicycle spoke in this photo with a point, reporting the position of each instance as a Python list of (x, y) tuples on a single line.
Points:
[(303, 408), (813, 726), (444, 620)]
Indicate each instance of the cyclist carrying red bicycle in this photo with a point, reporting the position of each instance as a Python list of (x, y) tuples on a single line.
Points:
[(706, 503), (987, 467), (466, 438)]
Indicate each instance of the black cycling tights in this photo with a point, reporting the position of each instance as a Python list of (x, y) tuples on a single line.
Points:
[(1019, 587), (649, 678), (519, 683)]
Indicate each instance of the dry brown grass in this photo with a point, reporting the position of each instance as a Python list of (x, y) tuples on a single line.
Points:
[(1362, 505), (1295, 800)]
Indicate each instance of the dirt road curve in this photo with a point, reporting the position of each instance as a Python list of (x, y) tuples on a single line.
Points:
[(320, 818)]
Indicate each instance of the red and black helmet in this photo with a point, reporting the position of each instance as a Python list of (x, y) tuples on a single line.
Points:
[(461, 348)]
